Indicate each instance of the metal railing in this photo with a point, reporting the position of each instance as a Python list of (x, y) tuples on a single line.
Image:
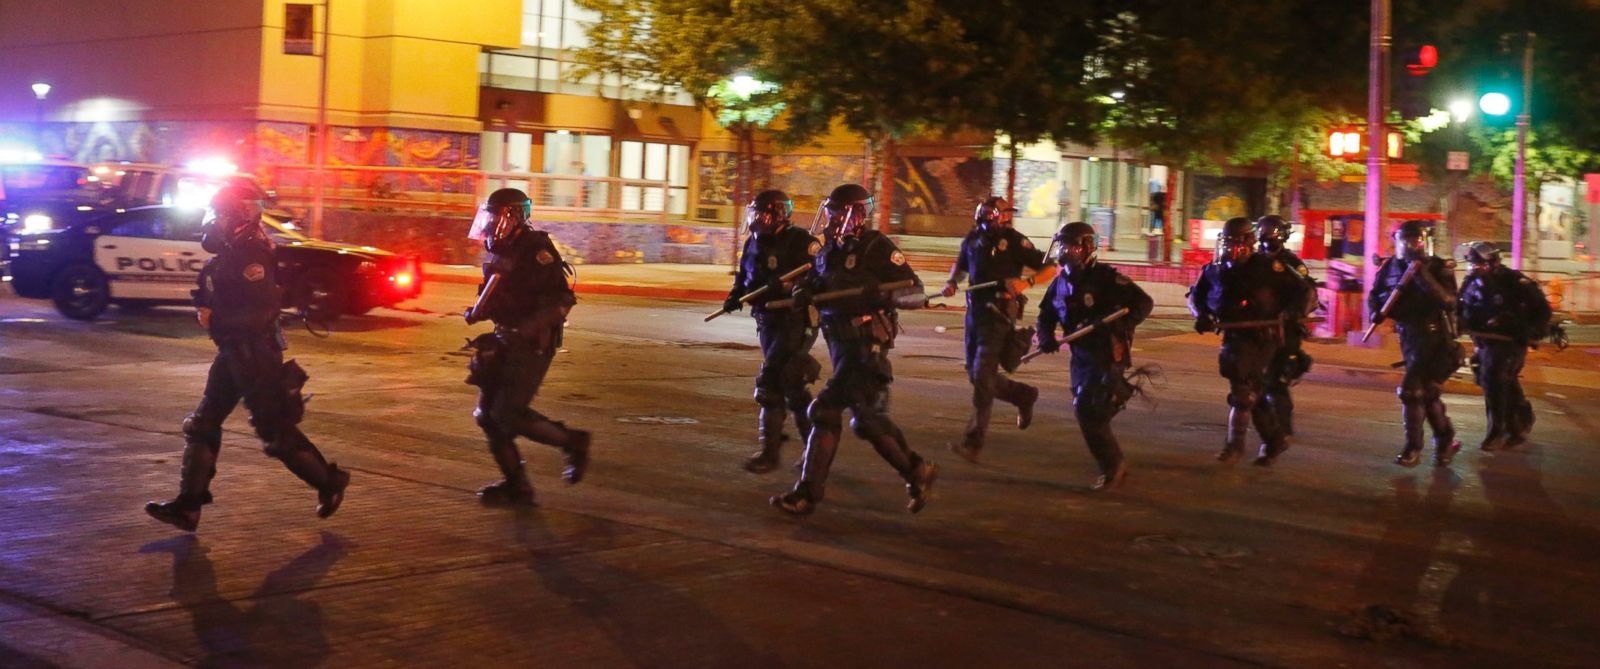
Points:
[(457, 192)]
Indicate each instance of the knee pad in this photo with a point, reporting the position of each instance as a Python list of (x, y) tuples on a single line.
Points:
[(825, 416), (767, 396), (1411, 394), (1243, 398), (199, 427)]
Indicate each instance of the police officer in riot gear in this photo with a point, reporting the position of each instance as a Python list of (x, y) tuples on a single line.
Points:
[(1504, 311), (1083, 295), (859, 330), (526, 295), (1422, 315), (992, 251), (1251, 299), (776, 248), (1292, 362), (238, 302)]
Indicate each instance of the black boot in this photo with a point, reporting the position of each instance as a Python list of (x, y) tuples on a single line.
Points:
[(1270, 451), (194, 486), (919, 483), (1238, 424), (577, 452), (1027, 397), (770, 429), (175, 513), (797, 502), (331, 495), (1111, 480), (1412, 416), (513, 487)]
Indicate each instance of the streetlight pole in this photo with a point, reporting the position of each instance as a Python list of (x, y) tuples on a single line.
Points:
[(40, 90), (1377, 144), (322, 123), (1519, 187)]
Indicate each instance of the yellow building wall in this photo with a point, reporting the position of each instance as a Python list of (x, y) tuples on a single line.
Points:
[(401, 63)]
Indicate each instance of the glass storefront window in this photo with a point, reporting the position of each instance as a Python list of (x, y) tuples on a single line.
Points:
[(655, 162)]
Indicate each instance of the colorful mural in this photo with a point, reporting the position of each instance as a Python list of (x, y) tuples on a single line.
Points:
[(719, 176), (1221, 198), (808, 179), (943, 186)]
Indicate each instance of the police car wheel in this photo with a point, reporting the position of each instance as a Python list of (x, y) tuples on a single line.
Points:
[(321, 294), (81, 292)]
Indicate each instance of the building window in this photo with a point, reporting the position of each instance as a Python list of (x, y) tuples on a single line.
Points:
[(655, 161)]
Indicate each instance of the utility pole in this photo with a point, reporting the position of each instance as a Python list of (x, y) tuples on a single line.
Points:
[(1519, 188), (322, 123), (1377, 146)]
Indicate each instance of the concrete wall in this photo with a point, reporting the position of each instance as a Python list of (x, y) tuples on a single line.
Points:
[(444, 240)]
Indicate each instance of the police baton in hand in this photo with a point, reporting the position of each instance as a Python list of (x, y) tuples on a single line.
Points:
[(1389, 303), (1266, 323), (843, 293), (1082, 332), (762, 290), (475, 312)]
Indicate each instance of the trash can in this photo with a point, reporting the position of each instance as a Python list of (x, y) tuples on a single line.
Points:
[(1341, 299), (1152, 247)]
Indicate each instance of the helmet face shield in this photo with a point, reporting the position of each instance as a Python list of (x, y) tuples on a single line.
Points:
[(501, 218), (234, 216), (1237, 241), (767, 214), (842, 218), (1414, 245), (1481, 257), (993, 213), (1073, 247)]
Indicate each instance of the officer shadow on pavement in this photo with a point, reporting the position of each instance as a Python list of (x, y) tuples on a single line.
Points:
[(646, 617), (273, 626), (1398, 593)]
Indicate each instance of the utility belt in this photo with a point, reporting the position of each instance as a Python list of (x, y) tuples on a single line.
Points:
[(879, 326)]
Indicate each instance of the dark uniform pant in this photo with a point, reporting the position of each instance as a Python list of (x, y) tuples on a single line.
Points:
[(987, 337), (787, 371), (1244, 362), (1288, 365), (860, 383), (1099, 391), (1430, 358), (1499, 367), (503, 410), (250, 370)]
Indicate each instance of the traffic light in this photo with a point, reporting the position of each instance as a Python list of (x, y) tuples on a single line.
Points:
[(1495, 103), (1411, 86)]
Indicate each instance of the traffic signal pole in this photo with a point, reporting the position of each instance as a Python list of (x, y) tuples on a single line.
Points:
[(1377, 146), (1519, 186)]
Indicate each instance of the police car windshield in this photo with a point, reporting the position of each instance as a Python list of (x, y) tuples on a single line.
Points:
[(283, 229), (35, 180)]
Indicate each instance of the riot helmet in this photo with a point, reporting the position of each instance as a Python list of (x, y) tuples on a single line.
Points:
[(993, 213), (1236, 241), (503, 218), (1482, 257), (844, 212), (233, 217), (768, 213), (1273, 232), (1074, 246), (1414, 239)]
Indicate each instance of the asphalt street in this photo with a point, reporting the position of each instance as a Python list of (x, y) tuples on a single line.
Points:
[(669, 555)]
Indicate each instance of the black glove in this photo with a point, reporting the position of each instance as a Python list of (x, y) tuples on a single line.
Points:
[(1205, 323), (471, 315), (732, 304), (1048, 343), (869, 288), (801, 297)]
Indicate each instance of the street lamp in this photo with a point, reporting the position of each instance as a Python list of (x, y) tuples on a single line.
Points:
[(40, 90), (734, 97), (1460, 110), (1494, 104)]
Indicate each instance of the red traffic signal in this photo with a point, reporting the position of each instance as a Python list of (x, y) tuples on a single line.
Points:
[(1421, 60)]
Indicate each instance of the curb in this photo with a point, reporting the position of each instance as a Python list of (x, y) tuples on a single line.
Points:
[(663, 292)]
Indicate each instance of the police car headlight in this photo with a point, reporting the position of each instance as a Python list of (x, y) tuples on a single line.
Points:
[(37, 223)]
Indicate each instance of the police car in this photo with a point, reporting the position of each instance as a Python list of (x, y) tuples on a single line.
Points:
[(144, 256)]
